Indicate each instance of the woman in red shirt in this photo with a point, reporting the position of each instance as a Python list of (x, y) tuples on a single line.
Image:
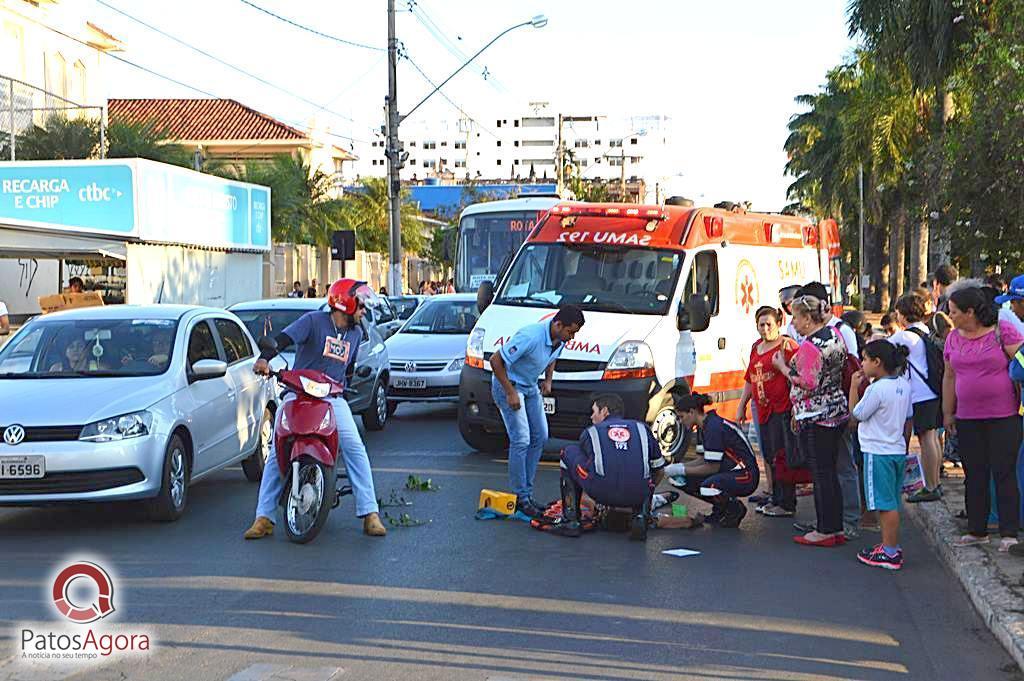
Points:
[(769, 388)]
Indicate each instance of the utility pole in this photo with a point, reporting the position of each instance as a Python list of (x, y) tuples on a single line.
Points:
[(560, 159), (860, 220), (394, 156), (622, 179)]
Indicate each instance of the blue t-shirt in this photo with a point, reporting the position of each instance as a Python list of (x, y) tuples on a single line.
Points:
[(723, 441), (321, 346), (528, 353)]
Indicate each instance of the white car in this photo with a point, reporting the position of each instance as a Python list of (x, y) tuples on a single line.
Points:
[(429, 350), (129, 402)]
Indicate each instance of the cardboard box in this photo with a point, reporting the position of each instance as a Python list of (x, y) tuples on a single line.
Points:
[(70, 301)]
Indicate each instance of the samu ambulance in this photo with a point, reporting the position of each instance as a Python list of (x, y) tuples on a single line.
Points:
[(668, 294)]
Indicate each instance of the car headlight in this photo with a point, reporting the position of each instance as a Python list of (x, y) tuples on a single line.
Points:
[(131, 425), (475, 348), (456, 364), (632, 359)]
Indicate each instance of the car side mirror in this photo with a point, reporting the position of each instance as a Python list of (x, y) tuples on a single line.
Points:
[(364, 372), (693, 315), (206, 369), (266, 344), (484, 295)]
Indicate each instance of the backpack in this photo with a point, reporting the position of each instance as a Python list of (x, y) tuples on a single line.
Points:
[(936, 363), (851, 365)]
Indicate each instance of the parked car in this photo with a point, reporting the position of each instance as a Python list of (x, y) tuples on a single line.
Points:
[(404, 306), (429, 350), (369, 382), (380, 312), (129, 402)]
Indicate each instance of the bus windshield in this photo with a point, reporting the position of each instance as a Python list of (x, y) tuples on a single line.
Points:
[(594, 277), (485, 240)]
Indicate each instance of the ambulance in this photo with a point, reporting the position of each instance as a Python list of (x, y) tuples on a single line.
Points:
[(668, 294)]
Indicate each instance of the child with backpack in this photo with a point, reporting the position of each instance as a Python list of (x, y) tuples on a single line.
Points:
[(881, 415), (927, 368)]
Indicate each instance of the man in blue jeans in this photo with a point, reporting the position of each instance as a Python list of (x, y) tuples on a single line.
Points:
[(516, 368)]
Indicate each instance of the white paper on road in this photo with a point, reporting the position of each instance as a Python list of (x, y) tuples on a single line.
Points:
[(681, 553)]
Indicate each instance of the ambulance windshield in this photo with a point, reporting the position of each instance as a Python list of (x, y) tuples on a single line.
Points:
[(592, 276)]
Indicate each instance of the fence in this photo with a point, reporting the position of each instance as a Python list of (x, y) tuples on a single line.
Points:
[(24, 106)]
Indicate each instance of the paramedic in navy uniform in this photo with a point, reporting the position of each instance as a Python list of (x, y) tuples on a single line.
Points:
[(728, 469), (617, 462)]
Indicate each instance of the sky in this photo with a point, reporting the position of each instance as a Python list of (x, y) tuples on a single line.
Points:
[(726, 72)]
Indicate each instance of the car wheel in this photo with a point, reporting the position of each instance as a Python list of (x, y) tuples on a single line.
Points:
[(169, 504), (479, 439), (253, 466), (376, 415)]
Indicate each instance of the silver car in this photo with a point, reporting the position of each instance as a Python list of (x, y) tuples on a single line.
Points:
[(129, 402), (369, 382), (429, 350)]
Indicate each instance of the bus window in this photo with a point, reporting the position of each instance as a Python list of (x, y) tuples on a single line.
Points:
[(703, 279)]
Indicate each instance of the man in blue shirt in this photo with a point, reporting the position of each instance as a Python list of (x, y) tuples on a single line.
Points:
[(516, 368), (326, 341)]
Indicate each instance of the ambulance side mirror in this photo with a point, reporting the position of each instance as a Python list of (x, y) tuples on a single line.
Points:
[(484, 295), (693, 315)]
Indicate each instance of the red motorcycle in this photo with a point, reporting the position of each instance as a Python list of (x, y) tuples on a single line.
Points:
[(306, 442)]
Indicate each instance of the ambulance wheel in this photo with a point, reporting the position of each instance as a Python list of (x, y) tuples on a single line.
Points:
[(669, 431), (479, 439)]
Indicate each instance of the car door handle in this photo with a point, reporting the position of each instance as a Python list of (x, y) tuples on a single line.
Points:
[(231, 394), (721, 344)]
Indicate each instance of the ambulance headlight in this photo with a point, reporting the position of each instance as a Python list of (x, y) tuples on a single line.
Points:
[(632, 359), (475, 348)]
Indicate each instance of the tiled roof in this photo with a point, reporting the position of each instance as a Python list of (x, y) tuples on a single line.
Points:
[(203, 119)]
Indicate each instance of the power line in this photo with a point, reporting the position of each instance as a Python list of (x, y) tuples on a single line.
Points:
[(439, 34), (308, 29), (206, 54), (149, 70), (446, 97)]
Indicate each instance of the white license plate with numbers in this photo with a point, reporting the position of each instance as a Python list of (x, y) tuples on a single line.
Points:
[(549, 405), (410, 383), (22, 467)]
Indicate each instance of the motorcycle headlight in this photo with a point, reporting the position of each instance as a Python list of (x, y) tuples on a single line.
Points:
[(456, 364), (123, 427), (315, 388)]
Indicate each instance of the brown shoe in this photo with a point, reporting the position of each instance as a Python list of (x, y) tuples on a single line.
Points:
[(373, 526), (261, 527)]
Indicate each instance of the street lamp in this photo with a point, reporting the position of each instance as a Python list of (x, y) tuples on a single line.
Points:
[(394, 154)]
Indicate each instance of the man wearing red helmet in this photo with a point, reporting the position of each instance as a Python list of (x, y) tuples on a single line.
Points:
[(326, 341)]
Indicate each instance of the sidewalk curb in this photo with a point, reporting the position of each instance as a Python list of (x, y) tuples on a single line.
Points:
[(999, 606)]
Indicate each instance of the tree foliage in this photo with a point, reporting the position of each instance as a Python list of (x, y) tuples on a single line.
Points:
[(366, 210)]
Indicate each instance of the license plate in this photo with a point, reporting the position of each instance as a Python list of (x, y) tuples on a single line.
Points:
[(410, 383), (21, 467), (549, 405)]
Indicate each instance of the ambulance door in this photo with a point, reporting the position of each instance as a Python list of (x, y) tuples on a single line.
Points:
[(698, 353)]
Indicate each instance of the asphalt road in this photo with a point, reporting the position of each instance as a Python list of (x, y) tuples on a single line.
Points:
[(463, 599)]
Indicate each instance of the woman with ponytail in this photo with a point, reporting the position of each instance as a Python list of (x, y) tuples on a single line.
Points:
[(882, 416), (727, 470), (979, 405)]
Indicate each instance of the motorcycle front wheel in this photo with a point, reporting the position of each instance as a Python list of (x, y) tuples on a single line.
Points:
[(306, 514)]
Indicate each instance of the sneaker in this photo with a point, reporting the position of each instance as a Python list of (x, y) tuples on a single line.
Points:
[(877, 557), (373, 527), (529, 508), (924, 494), (760, 499), (565, 528), (1007, 543), (970, 540), (773, 511), (851, 533), (734, 513), (804, 527)]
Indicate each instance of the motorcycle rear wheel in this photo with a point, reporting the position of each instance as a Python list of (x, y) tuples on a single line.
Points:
[(306, 515)]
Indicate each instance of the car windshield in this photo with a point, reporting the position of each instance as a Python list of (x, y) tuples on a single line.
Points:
[(268, 322), (404, 307), (89, 348), (443, 316), (592, 276)]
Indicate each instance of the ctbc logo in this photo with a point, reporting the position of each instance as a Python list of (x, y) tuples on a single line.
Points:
[(14, 434), (104, 604), (410, 367)]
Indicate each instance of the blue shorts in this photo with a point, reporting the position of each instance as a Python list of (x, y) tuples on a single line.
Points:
[(883, 481)]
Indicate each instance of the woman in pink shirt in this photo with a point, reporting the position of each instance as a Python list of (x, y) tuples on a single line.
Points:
[(979, 405)]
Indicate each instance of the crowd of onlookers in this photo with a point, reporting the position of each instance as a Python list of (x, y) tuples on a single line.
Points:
[(835, 401)]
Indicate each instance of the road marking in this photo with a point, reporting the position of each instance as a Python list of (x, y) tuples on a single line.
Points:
[(284, 672)]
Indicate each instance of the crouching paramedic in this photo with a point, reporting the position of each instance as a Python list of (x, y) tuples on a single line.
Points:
[(727, 470), (617, 462)]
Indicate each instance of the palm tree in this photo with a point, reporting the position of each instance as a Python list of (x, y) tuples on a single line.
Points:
[(366, 210), (145, 139), (59, 138)]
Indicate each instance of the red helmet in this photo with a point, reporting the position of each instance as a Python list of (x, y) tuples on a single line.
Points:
[(346, 295)]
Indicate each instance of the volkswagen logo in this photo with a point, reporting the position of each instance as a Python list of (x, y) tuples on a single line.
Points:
[(410, 367), (14, 434)]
